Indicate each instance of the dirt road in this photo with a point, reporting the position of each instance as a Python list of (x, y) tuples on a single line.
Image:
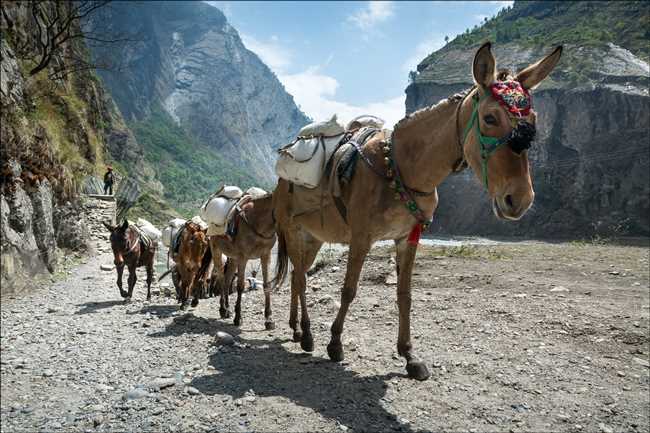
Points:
[(519, 337)]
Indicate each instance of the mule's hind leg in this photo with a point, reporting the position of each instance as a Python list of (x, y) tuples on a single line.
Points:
[(356, 255), (149, 280), (268, 321), (230, 268), (415, 368), (302, 249), (241, 274)]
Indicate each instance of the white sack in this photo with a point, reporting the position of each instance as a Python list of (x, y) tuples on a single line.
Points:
[(199, 222), (365, 120), (216, 210), (255, 192), (304, 161), (149, 229), (170, 232)]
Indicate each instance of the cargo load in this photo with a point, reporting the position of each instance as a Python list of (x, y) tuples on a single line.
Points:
[(170, 232)]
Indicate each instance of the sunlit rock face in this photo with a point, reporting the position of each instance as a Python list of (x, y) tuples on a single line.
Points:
[(190, 61)]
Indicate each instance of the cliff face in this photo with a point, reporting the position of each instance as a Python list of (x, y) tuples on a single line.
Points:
[(590, 161), (56, 131), (192, 63)]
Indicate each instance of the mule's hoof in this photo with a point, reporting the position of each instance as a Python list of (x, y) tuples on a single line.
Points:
[(417, 370), (224, 313), (149, 298), (297, 336), (270, 325), (237, 321), (335, 352), (183, 305), (123, 294), (195, 302), (307, 343)]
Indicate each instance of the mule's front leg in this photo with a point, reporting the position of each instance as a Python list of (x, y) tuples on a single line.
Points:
[(120, 271), (268, 321), (131, 281), (241, 273), (356, 256), (415, 368), (227, 272)]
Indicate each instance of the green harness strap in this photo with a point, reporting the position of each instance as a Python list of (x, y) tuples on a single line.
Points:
[(488, 145)]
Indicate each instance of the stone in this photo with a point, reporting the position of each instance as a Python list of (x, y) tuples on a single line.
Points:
[(192, 391), (107, 267), (620, 374), (605, 428), (224, 339), (135, 394), (559, 289), (162, 383), (641, 361)]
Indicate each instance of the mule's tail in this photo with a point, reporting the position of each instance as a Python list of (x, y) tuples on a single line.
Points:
[(281, 262), (165, 273), (205, 264)]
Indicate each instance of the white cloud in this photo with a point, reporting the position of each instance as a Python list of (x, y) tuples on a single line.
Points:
[(423, 49), (373, 13), (272, 52), (315, 94)]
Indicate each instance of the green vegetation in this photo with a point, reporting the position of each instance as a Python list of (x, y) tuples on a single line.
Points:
[(465, 252), (189, 171), (153, 209), (547, 23)]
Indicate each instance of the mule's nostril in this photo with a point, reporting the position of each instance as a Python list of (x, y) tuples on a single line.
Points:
[(508, 200)]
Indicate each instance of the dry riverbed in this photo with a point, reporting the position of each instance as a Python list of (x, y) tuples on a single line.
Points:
[(519, 337)]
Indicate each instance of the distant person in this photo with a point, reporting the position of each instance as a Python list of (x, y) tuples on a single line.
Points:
[(108, 181)]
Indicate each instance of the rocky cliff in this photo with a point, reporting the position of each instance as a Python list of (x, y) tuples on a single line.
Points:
[(591, 159), (58, 127), (190, 68)]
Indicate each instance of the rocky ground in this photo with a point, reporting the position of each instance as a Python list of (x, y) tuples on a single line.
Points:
[(519, 337)]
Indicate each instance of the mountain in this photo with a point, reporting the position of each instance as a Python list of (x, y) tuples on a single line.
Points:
[(59, 128), (188, 75), (590, 161)]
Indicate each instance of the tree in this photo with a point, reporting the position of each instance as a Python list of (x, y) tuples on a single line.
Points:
[(446, 40), (57, 24)]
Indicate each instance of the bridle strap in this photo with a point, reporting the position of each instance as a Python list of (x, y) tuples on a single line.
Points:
[(461, 163)]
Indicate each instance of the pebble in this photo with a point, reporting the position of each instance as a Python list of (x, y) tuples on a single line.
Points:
[(224, 339), (48, 373), (559, 289), (162, 383), (620, 374), (135, 394), (605, 428), (192, 391), (107, 267)]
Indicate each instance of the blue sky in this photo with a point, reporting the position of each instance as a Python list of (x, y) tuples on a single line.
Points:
[(350, 58)]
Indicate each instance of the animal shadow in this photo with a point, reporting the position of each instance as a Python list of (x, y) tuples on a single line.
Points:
[(188, 323), (94, 307), (309, 381)]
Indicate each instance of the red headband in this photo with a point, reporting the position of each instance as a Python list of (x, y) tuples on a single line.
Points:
[(512, 96)]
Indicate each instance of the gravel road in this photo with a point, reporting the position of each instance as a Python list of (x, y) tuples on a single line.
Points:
[(519, 337)]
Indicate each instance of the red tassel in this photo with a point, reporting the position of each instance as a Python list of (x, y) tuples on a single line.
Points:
[(414, 236)]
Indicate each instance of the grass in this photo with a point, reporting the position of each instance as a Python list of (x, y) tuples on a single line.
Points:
[(464, 252), (189, 170)]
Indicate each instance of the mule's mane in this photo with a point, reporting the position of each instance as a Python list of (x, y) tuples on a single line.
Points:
[(422, 112)]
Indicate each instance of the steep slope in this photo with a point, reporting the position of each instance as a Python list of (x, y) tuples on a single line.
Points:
[(57, 129), (590, 160), (191, 62)]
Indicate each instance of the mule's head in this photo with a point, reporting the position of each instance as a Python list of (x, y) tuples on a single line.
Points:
[(119, 241), (501, 130)]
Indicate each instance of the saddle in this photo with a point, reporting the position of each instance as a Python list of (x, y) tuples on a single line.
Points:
[(339, 171), (143, 237)]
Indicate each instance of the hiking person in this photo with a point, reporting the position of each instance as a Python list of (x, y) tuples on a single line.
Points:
[(108, 181)]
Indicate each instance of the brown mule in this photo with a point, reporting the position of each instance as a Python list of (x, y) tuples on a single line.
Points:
[(193, 246), (130, 250), (400, 171), (254, 240)]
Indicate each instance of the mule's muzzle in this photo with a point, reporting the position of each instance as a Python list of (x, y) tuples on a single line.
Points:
[(512, 206)]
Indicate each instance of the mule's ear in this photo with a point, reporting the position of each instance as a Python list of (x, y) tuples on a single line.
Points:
[(125, 224), (109, 227), (535, 73), (484, 66)]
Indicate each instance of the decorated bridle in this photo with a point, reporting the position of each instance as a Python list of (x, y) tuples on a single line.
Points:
[(517, 101)]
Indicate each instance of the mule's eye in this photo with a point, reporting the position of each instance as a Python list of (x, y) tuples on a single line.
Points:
[(490, 119)]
